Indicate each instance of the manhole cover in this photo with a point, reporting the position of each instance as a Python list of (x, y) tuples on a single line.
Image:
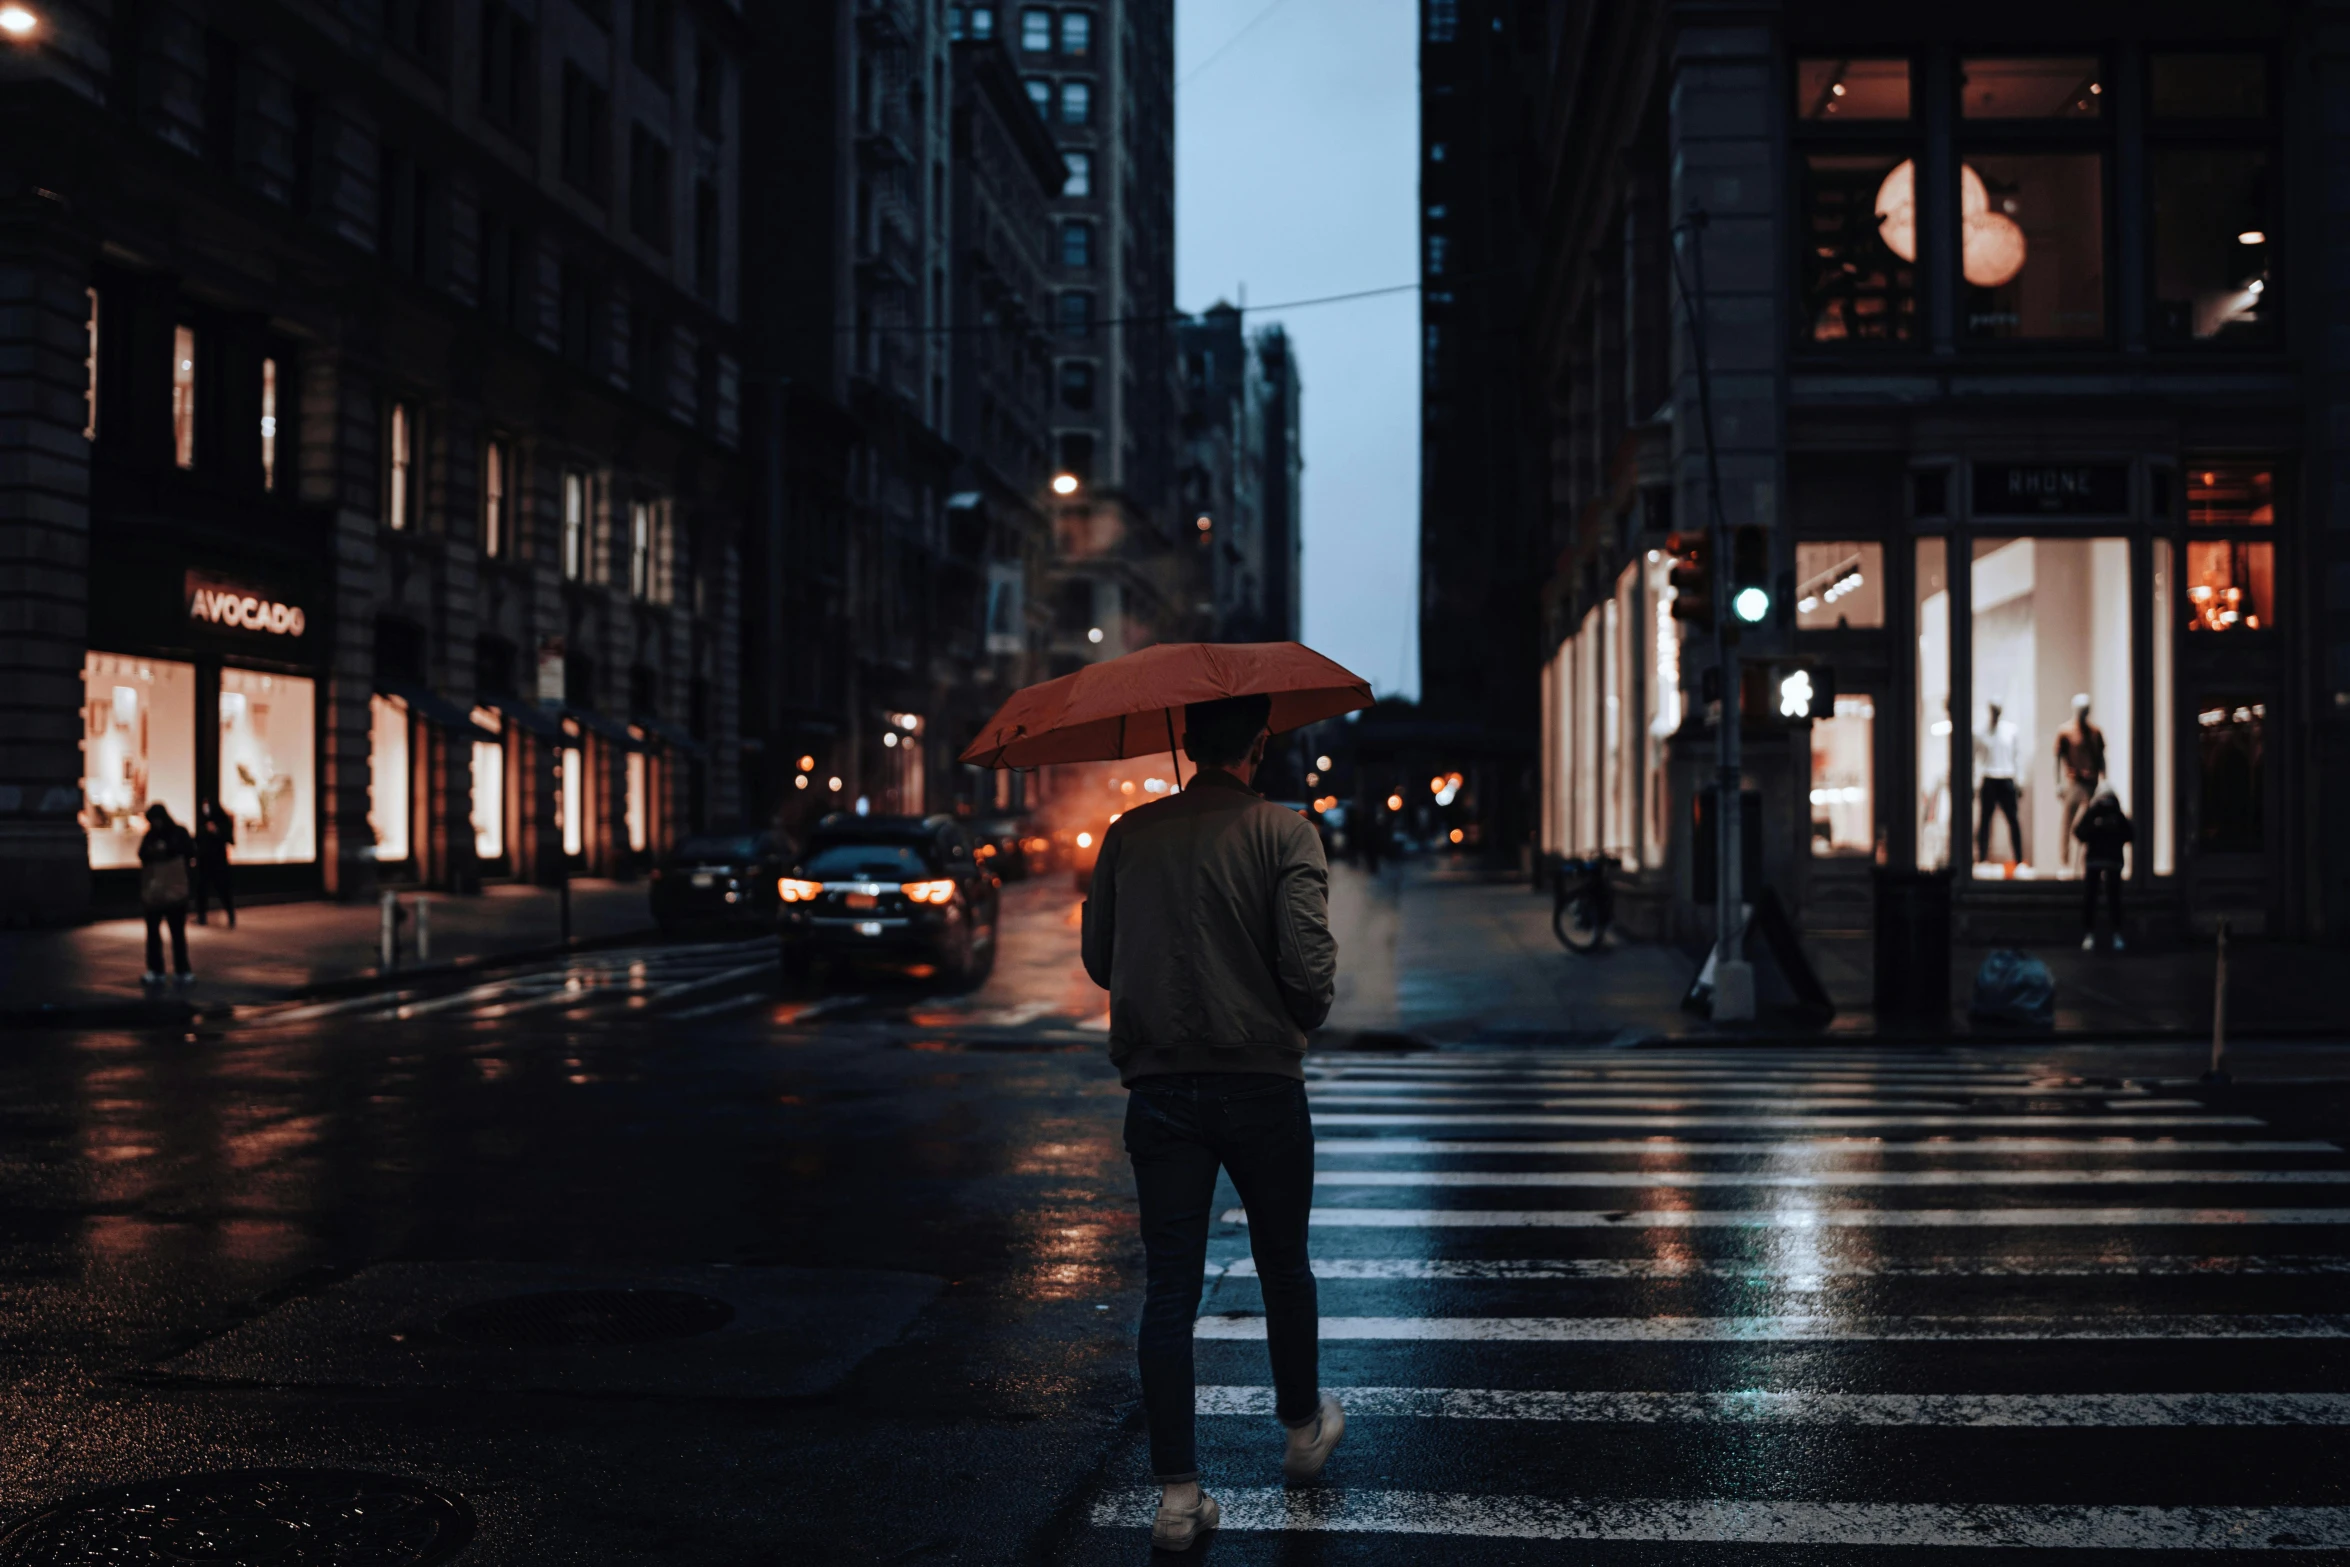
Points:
[(247, 1518), (559, 1319)]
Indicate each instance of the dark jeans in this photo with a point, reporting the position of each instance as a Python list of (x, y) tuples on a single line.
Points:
[(1179, 1128), (176, 917), (2113, 897), (212, 880), (1996, 794)]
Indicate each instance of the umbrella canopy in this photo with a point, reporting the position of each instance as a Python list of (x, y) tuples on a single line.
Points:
[(1133, 706)]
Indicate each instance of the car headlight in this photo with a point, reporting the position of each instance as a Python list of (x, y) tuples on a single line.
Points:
[(928, 891), (796, 891)]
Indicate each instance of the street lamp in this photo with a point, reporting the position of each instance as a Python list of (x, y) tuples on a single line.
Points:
[(1064, 484), (17, 21), (1751, 605), (1094, 634)]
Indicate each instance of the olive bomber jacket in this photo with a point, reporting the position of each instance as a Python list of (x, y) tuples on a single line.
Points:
[(1209, 925)]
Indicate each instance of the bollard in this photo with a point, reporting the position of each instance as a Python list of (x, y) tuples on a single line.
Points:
[(387, 941), (423, 906), (2219, 1011)]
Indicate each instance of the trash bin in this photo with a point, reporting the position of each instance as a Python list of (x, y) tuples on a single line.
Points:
[(1913, 945)]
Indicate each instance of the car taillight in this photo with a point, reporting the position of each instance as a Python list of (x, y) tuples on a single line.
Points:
[(929, 891), (797, 891)]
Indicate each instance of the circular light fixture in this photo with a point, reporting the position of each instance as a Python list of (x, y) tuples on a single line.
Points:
[(807, 764), (1993, 248), (17, 22), (1094, 635), (1751, 604), (1323, 762), (801, 782), (2252, 237), (833, 784), (1064, 484)]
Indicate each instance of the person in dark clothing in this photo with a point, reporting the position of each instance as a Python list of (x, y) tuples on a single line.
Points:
[(164, 856), (2104, 833), (216, 834)]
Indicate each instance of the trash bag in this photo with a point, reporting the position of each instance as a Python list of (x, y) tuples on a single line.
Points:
[(2014, 988)]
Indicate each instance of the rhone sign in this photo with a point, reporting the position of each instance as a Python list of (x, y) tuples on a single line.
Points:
[(230, 606)]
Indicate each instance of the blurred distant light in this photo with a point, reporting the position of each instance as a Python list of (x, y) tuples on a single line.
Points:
[(1205, 523), (801, 782), (1323, 762), (1064, 484), (17, 22), (1456, 835), (1751, 605), (2252, 237), (889, 738), (1094, 635), (807, 764), (1085, 840), (1395, 802), (833, 784)]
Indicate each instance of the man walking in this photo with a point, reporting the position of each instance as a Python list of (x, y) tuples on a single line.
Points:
[(1209, 925)]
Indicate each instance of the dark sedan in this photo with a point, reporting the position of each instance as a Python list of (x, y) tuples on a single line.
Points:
[(905, 888), (720, 878)]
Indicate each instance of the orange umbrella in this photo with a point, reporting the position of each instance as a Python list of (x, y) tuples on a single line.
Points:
[(1133, 706)]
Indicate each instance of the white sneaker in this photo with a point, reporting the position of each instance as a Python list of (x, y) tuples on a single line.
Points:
[(2089, 942), (1177, 1529), (1309, 1445)]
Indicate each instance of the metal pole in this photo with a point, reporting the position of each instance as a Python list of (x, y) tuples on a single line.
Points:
[(2219, 1011), (387, 935)]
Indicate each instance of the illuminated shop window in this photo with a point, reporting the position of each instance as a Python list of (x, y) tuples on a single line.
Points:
[(269, 424), (1663, 702), (138, 750), (1839, 587), (633, 813), (2231, 495), (387, 776), (571, 781), (2032, 228), (183, 395), (402, 493), (2231, 750), (2231, 585), (1934, 724), (488, 792), (1858, 270), (1852, 89), (268, 753), (495, 458), (640, 549), (575, 522), (1844, 779)]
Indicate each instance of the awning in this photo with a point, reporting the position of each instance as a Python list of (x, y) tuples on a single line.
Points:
[(530, 717), (434, 708), (610, 728), (672, 736)]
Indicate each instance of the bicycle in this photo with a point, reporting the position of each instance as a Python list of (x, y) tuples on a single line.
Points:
[(1582, 902)]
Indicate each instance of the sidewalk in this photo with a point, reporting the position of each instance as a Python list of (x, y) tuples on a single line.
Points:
[(279, 950), (1435, 950)]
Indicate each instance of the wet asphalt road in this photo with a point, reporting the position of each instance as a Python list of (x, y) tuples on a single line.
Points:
[(1630, 1306)]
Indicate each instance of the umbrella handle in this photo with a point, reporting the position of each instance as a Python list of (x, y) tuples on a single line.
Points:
[(1172, 755)]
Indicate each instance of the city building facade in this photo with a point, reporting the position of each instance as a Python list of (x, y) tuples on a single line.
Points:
[(375, 482), (2040, 293), (1242, 477)]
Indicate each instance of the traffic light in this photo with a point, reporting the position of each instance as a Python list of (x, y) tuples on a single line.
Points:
[(1692, 577), (1801, 692), (1750, 575)]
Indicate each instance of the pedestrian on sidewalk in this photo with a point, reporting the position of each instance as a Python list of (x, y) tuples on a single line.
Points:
[(2104, 833), (216, 834), (1209, 925), (165, 854)]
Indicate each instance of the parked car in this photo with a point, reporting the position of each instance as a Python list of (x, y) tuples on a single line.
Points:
[(1014, 847), (907, 888), (719, 878)]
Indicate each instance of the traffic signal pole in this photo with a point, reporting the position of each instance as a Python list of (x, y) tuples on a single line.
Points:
[(1733, 990)]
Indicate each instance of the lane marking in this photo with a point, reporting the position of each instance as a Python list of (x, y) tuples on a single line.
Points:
[(1511, 1271), (1709, 1520), (1821, 1179), (1799, 1218), (711, 981), (1783, 1123), (1710, 1093), (2119, 1106), (1785, 1328), (1348, 1147), (1757, 1407)]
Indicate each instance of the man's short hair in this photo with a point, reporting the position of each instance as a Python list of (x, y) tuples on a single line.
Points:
[(1219, 733)]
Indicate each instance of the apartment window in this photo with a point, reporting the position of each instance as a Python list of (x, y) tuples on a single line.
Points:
[(575, 525), (1857, 272), (640, 549), (1852, 89), (1077, 454), (1076, 33), (496, 463), (305, 192), (1040, 93), (183, 395), (2033, 227), (1076, 102), (1080, 180), (1036, 31), (709, 89), (1444, 21), (222, 97), (2231, 554), (90, 368), (2208, 86), (269, 424), (2061, 87), (706, 252), (577, 307), (406, 213), (420, 29), (404, 492), (983, 21), (648, 186), (1075, 313), (652, 37), (648, 356), (1077, 384), (508, 62), (586, 133), (1438, 244), (1076, 243), (505, 263), (958, 24)]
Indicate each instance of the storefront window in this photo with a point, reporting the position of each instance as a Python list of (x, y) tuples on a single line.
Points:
[(2164, 837), (138, 749), (2033, 235), (269, 424), (1664, 700), (2231, 585), (183, 395), (1933, 714), (1839, 587), (268, 751), (2053, 699), (488, 792), (1859, 268), (633, 809), (2212, 217), (570, 782), (2208, 86), (387, 776), (2057, 87), (1623, 708), (1843, 779), (1852, 89), (2231, 748), (2231, 495)]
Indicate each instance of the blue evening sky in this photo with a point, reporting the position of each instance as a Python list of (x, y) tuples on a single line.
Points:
[(1296, 167)]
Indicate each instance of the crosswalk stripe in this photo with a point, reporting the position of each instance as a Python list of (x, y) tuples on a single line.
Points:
[(1800, 1218), (1725, 1521), (1776, 1103), (1760, 1407), (1811, 1147), (1779, 1123), (1813, 1328), (1822, 1179), (1711, 1093), (2002, 1266)]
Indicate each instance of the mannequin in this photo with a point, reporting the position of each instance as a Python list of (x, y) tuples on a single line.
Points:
[(2080, 768), (1995, 768)]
